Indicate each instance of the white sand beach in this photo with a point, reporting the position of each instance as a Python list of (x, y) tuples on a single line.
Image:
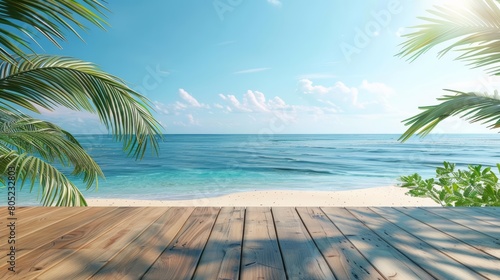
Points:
[(380, 196)]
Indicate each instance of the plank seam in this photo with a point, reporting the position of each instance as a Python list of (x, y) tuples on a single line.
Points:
[(279, 243), (460, 240), (204, 246), (350, 242), (430, 245), (242, 240), (123, 248), (381, 237)]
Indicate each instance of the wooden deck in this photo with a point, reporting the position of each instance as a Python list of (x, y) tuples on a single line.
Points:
[(253, 243)]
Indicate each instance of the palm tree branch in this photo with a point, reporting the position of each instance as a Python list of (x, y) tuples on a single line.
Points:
[(473, 30), (56, 189), (475, 107), (28, 135), (50, 18), (49, 81)]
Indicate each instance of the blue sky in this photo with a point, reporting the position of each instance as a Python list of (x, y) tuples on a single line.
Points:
[(270, 66)]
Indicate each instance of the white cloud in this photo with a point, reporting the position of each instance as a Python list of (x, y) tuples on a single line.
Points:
[(252, 70), (189, 98), (378, 88), (254, 101), (339, 92), (343, 98)]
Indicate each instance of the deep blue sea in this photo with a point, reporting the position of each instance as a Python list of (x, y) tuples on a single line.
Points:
[(196, 166)]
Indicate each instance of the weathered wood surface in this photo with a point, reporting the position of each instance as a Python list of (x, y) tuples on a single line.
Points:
[(253, 243)]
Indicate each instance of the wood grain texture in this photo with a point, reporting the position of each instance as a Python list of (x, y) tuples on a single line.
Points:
[(51, 231), (485, 265), (390, 262), (50, 254), (136, 258), (479, 214), (34, 219), (179, 259), (221, 257), (472, 235), (255, 243), (88, 259), (344, 259), (420, 252), (301, 257), (261, 258)]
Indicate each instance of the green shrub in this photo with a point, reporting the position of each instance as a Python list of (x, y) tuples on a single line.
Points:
[(473, 187)]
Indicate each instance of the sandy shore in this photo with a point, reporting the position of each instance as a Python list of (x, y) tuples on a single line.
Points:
[(381, 196)]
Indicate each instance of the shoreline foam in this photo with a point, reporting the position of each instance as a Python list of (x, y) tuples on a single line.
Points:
[(390, 196)]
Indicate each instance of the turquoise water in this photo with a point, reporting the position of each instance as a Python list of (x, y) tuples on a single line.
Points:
[(196, 166)]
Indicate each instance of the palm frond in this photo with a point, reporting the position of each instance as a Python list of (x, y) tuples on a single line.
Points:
[(56, 189), (50, 81), (475, 107), (473, 30), (49, 18), (24, 134)]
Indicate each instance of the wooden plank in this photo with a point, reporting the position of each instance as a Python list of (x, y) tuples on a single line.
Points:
[(36, 218), (492, 211), (88, 259), (344, 259), (476, 260), (135, 259), (4, 211), (429, 258), (469, 218), (261, 258), (27, 243), (44, 257), (472, 236), (179, 260), (478, 214), (301, 257), (221, 257), (389, 261)]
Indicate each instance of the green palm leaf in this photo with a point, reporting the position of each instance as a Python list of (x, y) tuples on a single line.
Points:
[(475, 107), (56, 189), (51, 81), (24, 134), (50, 18), (31, 81), (473, 30)]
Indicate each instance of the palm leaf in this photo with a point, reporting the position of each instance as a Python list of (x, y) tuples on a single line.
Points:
[(24, 134), (475, 107), (473, 30), (49, 18), (56, 189), (51, 81)]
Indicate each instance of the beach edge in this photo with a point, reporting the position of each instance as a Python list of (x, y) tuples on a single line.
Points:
[(387, 196)]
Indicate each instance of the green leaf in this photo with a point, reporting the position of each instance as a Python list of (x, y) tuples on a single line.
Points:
[(50, 81), (48, 18), (472, 30), (473, 187), (474, 107), (56, 189)]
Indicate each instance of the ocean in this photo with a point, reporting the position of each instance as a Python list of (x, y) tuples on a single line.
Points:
[(198, 166)]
